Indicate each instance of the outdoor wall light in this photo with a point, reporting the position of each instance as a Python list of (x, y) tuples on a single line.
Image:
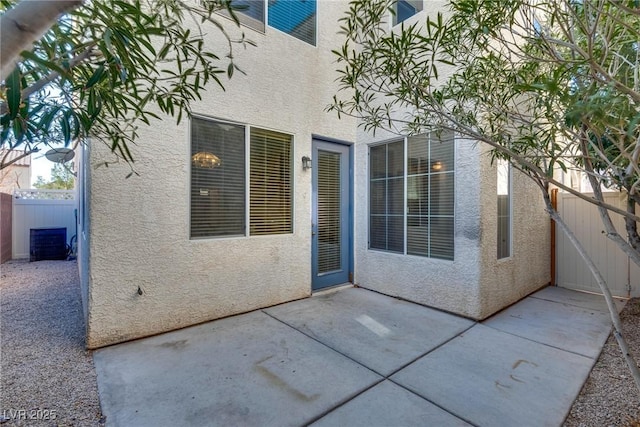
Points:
[(306, 162), (205, 160)]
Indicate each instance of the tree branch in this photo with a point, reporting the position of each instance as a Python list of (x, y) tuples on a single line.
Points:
[(37, 86), (4, 164), (25, 23)]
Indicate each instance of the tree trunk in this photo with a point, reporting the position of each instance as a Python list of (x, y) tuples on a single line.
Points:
[(613, 312), (26, 23)]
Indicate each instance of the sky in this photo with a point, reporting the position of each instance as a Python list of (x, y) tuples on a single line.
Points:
[(40, 165)]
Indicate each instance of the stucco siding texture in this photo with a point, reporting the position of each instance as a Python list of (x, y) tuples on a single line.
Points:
[(448, 285), (505, 281), (475, 284), (140, 226)]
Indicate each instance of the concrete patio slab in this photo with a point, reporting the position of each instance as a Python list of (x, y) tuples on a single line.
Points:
[(577, 298), (388, 404), (566, 326), (380, 332), (244, 370), (492, 378)]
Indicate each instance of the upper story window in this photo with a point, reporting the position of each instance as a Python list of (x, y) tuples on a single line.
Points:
[(294, 17), (411, 196), (405, 9), (220, 171), (251, 13)]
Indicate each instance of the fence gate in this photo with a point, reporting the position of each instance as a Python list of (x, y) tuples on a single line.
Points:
[(620, 273), (40, 209)]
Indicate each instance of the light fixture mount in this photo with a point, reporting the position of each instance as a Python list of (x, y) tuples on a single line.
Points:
[(306, 162)]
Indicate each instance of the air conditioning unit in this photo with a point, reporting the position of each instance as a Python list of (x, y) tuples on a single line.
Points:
[(48, 244)]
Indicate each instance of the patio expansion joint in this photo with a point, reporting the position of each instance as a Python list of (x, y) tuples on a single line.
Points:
[(420, 357), (593, 359), (382, 376), (606, 310), (344, 402)]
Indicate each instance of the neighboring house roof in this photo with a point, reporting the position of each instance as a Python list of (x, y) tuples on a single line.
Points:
[(13, 154)]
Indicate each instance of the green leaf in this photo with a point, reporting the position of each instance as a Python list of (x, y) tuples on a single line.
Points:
[(14, 95), (66, 130), (43, 62), (95, 78), (107, 39)]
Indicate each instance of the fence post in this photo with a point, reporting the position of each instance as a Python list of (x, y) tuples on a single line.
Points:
[(554, 203)]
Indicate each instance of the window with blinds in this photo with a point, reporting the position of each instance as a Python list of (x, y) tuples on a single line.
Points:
[(386, 201), (250, 13), (405, 9), (219, 173), (422, 215), (504, 208), (217, 188), (294, 17), (270, 183), (329, 212)]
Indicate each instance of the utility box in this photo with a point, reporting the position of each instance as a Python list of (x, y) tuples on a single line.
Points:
[(48, 244)]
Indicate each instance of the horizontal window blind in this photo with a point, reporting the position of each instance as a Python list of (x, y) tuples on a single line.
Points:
[(429, 197), (405, 9), (250, 13), (329, 233), (386, 197), (217, 191), (294, 17), (270, 183), (504, 208)]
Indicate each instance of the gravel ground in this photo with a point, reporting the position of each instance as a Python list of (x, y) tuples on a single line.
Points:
[(45, 370), (610, 397), (47, 378)]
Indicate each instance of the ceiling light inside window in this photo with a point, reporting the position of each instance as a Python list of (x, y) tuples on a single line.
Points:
[(205, 160)]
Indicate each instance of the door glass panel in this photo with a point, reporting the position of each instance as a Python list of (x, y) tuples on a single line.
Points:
[(329, 251)]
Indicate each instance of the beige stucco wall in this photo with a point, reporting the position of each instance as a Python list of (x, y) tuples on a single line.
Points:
[(139, 228), (448, 285), (475, 284), (505, 281)]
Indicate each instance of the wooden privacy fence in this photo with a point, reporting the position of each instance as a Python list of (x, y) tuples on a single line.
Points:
[(41, 209), (6, 211), (582, 217)]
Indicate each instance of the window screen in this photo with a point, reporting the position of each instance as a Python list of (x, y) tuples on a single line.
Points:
[(294, 17), (270, 183), (217, 190)]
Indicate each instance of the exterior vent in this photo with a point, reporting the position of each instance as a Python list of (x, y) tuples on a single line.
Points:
[(48, 244)]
